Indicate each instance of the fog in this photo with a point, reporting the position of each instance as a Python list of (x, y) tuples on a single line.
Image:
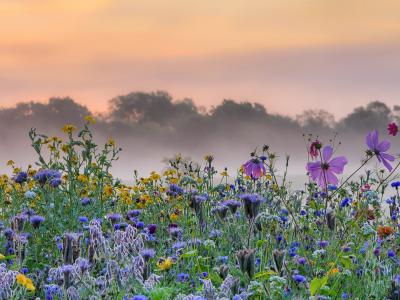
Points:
[(150, 127)]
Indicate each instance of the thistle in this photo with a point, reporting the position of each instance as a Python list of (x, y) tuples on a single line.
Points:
[(246, 260), (278, 257)]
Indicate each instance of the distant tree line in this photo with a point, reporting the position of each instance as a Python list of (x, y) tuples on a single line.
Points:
[(159, 119)]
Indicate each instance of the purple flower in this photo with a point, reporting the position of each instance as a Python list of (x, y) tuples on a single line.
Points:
[(299, 278), (378, 149), (377, 252), (325, 172), (323, 244), (36, 221), (152, 228), (21, 177), (254, 166), (147, 253)]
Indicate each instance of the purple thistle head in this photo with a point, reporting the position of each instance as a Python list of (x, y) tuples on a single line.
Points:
[(36, 221), (67, 268), (323, 244), (21, 177), (47, 174), (114, 218), (147, 254)]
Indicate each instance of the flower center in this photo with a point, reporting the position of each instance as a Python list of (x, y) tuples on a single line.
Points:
[(256, 161), (325, 166), (376, 151)]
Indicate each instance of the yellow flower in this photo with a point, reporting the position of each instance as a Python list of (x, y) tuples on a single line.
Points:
[(155, 177), (173, 180), (10, 162), (68, 129), (51, 147), (93, 164), (2, 256), (128, 201), (90, 119), (199, 180), (82, 178), (268, 177), (84, 192), (75, 159), (174, 217), (108, 190), (165, 264), (208, 157), (224, 174), (31, 173), (111, 142), (177, 159), (275, 187), (335, 271), (25, 281), (331, 264), (355, 203), (241, 169), (247, 177)]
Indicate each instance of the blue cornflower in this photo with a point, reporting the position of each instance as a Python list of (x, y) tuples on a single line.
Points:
[(345, 202), (394, 217), (82, 219), (299, 278), (395, 184), (391, 253), (263, 158), (59, 246), (182, 277)]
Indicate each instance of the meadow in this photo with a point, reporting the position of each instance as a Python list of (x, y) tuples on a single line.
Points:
[(71, 230)]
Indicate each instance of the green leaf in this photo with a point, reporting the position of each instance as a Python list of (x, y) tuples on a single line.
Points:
[(9, 257), (215, 277), (267, 274), (312, 204), (316, 284), (189, 254), (353, 224), (260, 243), (346, 261)]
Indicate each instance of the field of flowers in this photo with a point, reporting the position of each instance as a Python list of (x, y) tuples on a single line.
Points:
[(70, 230)]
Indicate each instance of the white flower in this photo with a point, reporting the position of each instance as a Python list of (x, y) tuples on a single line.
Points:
[(30, 195)]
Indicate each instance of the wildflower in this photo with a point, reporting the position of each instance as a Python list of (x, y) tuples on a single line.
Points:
[(325, 172), (36, 221), (252, 204), (395, 184), (314, 147), (246, 260), (391, 253), (68, 129), (323, 244), (152, 228), (366, 214), (25, 281), (385, 231), (182, 277), (45, 175), (147, 254), (164, 264), (377, 252), (254, 166), (114, 218), (108, 190), (393, 129), (378, 149), (30, 195), (345, 202), (111, 142), (208, 158), (90, 119), (10, 162), (21, 177), (82, 219), (299, 278)]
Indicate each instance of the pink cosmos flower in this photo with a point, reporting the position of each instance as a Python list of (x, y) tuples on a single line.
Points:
[(393, 129), (314, 149), (378, 149), (254, 166), (319, 171)]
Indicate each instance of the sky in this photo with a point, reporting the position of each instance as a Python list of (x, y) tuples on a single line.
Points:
[(288, 55)]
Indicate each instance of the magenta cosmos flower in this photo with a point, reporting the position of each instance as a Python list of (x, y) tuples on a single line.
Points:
[(315, 146), (254, 166), (319, 171), (378, 149), (393, 129)]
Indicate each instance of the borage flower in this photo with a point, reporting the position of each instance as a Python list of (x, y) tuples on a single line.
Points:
[(378, 149), (325, 172)]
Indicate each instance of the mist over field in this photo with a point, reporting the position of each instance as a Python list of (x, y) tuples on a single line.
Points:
[(150, 127)]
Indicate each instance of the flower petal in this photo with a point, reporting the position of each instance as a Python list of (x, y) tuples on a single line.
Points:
[(375, 139), (337, 164), (327, 153), (383, 146), (369, 142), (386, 164), (256, 171), (387, 156), (331, 177)]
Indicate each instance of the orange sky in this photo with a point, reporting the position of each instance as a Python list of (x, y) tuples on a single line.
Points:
[(286, 54)]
